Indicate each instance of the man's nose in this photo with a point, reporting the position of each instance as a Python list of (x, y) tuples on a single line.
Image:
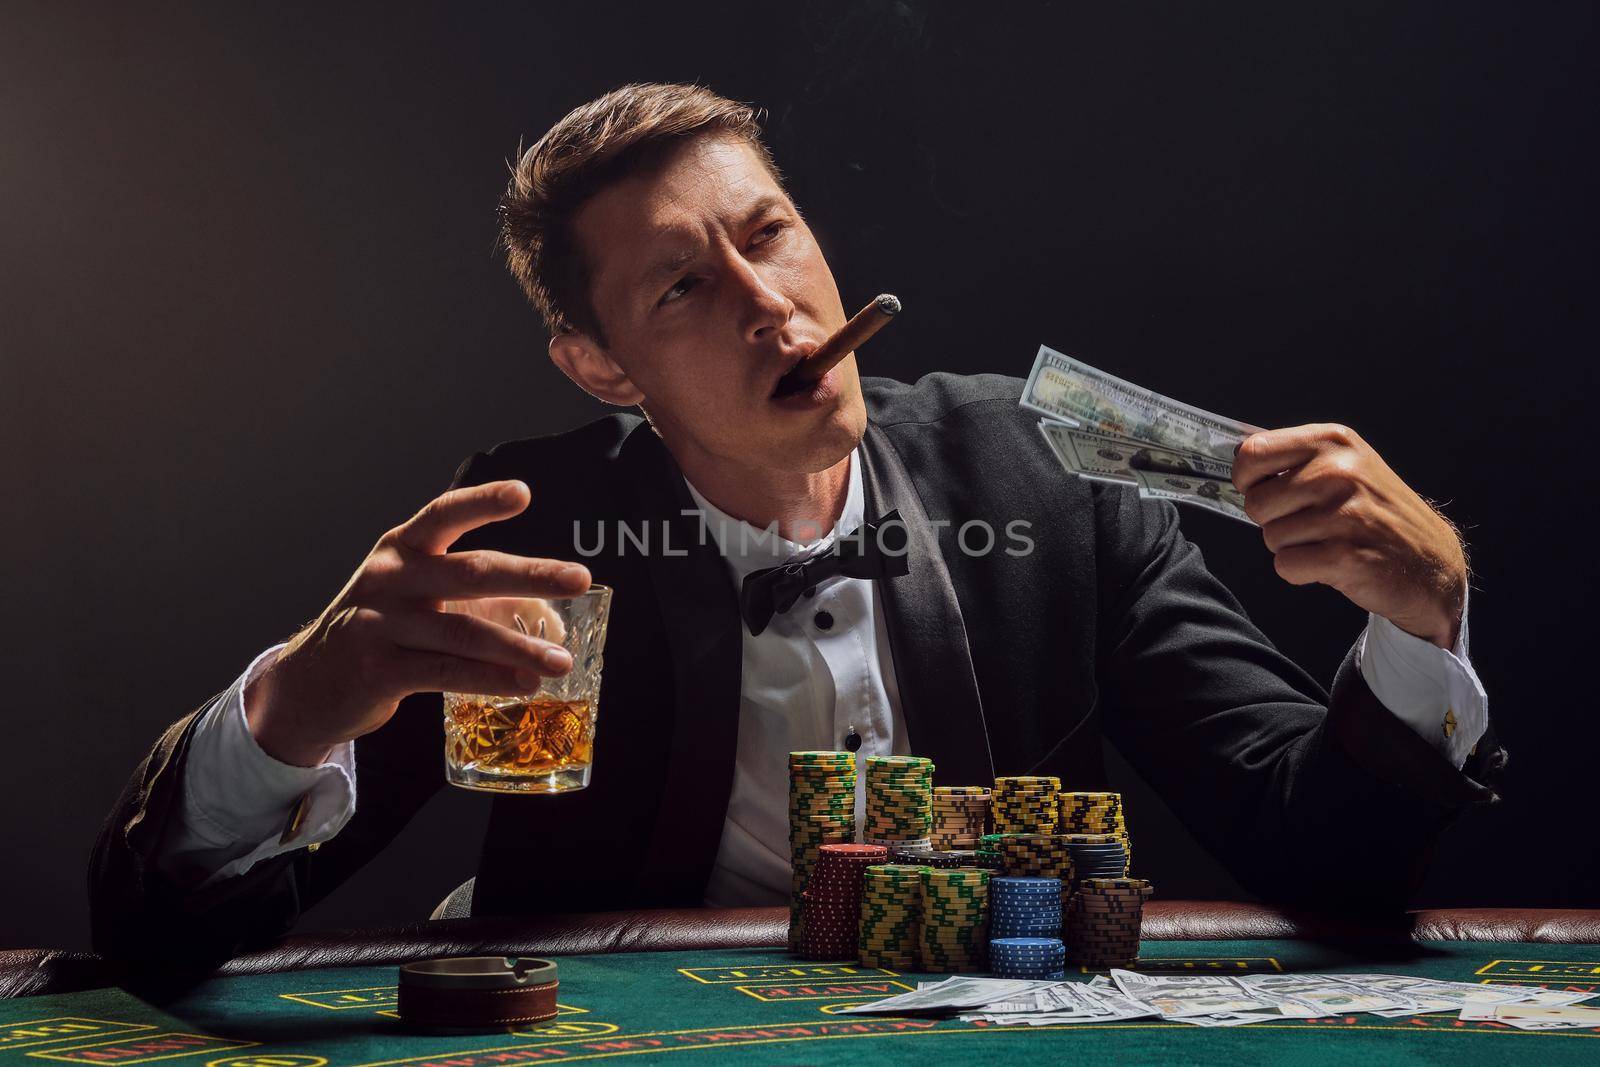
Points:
[(766, 309)]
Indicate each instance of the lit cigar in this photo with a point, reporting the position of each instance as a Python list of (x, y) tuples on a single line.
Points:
[(849, 337)]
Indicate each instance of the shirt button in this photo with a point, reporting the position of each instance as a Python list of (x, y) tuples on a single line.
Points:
[(824, 620)]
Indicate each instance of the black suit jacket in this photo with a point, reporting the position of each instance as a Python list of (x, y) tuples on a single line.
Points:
[(1007, 664)]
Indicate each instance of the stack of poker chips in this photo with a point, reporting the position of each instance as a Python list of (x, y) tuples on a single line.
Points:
[(989, 851), (1035, 856), (1094, 813), (955, 913), (1024, 907), (1103, 921), (1033, 958), (959, 815), (899, 802), (1038, 856), (927, 857), (830, 908), (1026, 805), (1096, 855), (891, 915), (822, 811)]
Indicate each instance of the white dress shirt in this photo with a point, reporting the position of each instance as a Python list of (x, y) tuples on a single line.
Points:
[(802, 686)]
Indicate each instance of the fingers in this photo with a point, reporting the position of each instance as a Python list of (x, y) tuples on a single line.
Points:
[(449, 515), (434, 672), (1304, 564), (1302, 527), (469, 637), (1315, 485), (538, 615), (1338, 563), (1270, 452), (486, 573)]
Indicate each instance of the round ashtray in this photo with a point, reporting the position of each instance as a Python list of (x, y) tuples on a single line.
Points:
[(478, 994)]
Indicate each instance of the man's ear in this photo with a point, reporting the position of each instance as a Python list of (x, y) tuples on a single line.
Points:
[(596, 373)]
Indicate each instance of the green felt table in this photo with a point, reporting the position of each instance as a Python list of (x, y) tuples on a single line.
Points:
[(757, 1006)]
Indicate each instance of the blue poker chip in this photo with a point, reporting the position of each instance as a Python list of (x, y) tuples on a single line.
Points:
[(1026, 912), (1037, 976), (1043, 972), (1017, 881), (1025, 942)]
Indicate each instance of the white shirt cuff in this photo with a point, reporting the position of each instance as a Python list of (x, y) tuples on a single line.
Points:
[(237, 799), (1433, 690)]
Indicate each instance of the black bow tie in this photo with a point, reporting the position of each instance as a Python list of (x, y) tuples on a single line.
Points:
[(869, 551)]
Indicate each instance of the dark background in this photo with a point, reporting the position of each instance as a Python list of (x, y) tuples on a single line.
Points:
[(251, 316)]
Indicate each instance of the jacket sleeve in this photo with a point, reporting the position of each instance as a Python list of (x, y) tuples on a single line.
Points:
[(161, 935), (1320, 800)]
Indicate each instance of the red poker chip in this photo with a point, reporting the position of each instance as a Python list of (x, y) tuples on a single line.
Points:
[(855, 850)]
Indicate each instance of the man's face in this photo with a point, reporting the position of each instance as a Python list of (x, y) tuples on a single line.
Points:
[(709, 286)]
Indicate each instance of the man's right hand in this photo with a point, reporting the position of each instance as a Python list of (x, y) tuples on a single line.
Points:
[(388, 633)]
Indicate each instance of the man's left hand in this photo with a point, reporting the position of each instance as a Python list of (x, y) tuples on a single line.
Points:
[(1332, 511)]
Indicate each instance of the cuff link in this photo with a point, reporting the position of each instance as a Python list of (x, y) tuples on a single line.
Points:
[(297, 818)]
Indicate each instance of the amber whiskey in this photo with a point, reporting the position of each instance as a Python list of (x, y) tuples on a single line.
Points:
[(538, 745)]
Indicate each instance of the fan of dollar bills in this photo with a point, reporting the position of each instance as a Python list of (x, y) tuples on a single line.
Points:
[(1105, 429)]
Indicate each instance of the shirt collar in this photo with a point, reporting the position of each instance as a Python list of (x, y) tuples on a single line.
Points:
[(746, 548)]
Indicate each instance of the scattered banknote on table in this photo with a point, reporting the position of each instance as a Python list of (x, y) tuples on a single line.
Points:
[(1105, 429), (1225, 1000)]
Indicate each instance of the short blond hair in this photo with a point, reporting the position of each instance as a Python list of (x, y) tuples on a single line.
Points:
[(627, 131)]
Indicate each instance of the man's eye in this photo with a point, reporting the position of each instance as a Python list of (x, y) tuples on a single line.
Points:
[(679, 288), (770, 230)]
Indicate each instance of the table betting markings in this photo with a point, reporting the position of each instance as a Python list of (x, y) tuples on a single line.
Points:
[(1567, 975), (62, 1029), (147, 1048), (383, 998), (820, 988)]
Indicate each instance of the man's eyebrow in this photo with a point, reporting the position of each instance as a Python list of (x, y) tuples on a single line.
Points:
[(671, 263), (674, 261)]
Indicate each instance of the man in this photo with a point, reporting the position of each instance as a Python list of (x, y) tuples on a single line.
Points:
[(652, 231)]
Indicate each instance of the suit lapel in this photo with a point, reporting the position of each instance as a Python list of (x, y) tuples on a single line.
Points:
[(700, 615), (699, 610), (927, 636)]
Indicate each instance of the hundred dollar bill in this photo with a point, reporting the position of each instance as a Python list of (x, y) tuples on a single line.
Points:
[(1192, 994), (1220, 497), (1158, 473), (1316, 996), (1070, 391), (952, 994)]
